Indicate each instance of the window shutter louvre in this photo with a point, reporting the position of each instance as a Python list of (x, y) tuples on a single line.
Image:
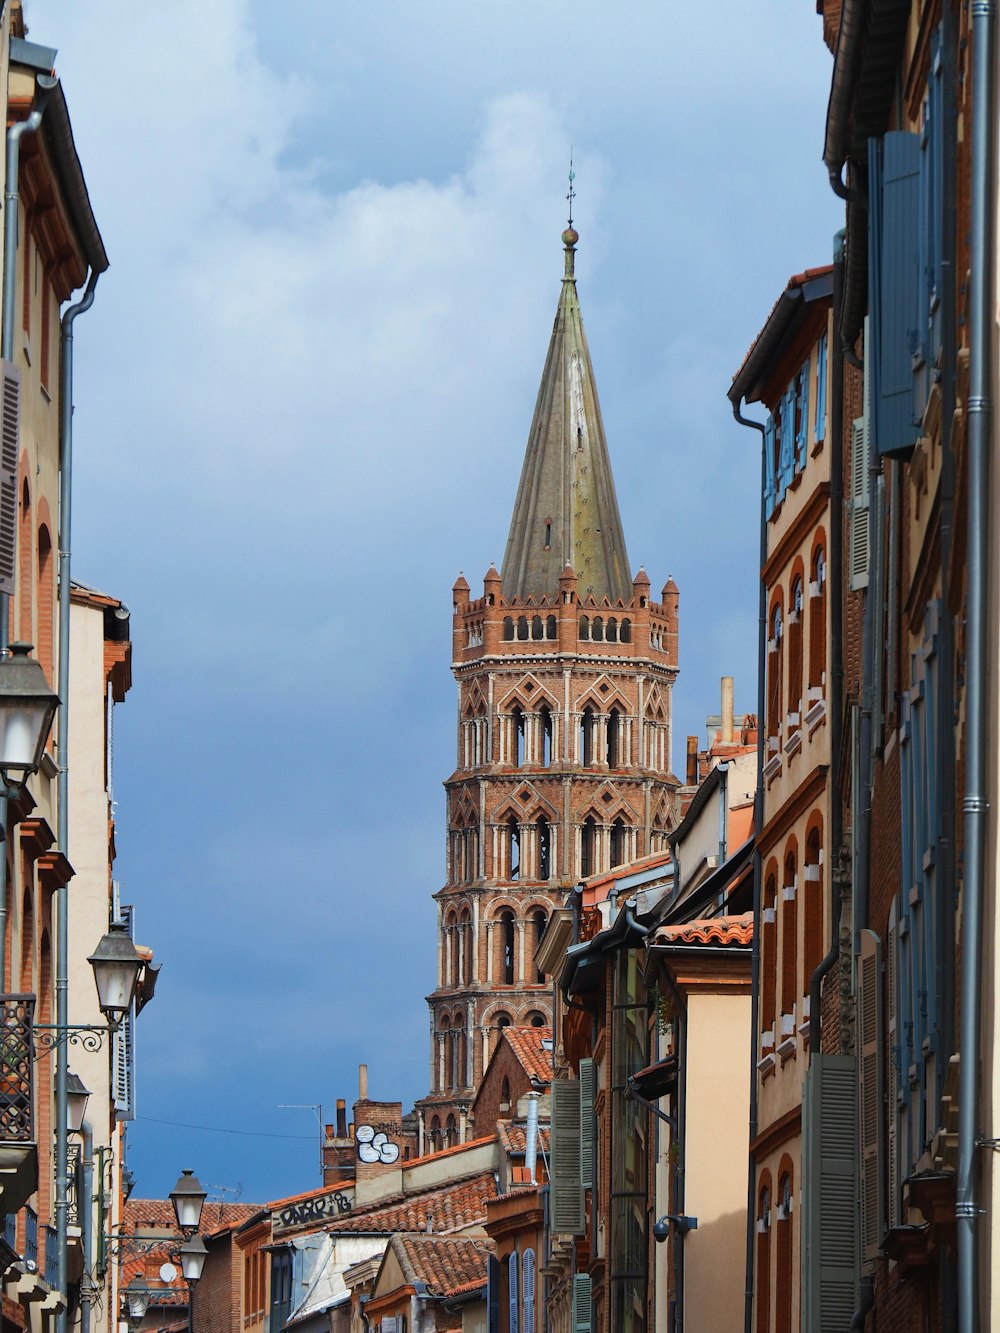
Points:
[(829, 1223), (893, 1201), (802, 403), (588, 1091), (124, 1050), (10, 430), (786, 461), (769, 478), (567, 1192), (493, 1295), (871, 1098), (859, 543), (512, 1296), (894, 284), (528, 1283), (583, 1305)]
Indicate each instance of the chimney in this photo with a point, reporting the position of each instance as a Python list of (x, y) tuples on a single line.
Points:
[(341, 1118), (531, 1137), (692, 761), (727, 710), (362, 1083)]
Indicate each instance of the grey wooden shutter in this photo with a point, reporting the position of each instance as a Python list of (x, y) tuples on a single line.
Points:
[(528, 1291), (829, 1224), (566, 1190), (588, 1091), (893, 1207), (513, 1324), (872, 1098), (123, 1054), (10, 428), (859, 542), (820, 426), (583, 1303), (769, 465)]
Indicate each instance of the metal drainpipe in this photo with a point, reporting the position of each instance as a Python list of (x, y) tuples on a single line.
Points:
[(87, 1224), (44, 84), (834, 584), (975, 802), (62, 781), (758, 819)]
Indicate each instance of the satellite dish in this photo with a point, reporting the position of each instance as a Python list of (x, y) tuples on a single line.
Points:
[(167, 1272)]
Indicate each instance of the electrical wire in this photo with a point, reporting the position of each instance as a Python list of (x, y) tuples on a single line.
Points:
[(217, 1129)]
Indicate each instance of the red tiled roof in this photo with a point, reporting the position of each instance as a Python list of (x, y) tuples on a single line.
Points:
[(447, 1208), (526, 1043), (447, 1264), (512, 1138), (145, 1216), (735, 930), (453, 1151)]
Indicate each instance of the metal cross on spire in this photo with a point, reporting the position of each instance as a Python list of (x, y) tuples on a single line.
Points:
[(572, 193)]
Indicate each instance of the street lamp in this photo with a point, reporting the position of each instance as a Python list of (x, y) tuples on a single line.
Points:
[(193, 1254), (117, 964), (27, 707), (188, 1199), (77, 1096), (137, 1296)]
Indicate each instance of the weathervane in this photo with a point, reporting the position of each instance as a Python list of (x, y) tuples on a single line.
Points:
[(572, 193)]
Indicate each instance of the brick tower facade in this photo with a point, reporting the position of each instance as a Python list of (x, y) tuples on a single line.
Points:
[(565, 670)]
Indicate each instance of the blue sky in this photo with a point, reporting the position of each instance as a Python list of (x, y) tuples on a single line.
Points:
[(302, 399)]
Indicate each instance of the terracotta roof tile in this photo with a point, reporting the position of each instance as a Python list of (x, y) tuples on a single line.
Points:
[(526, 1043), (447, 1208), (458, 1147), (448, 1264), (716, 930), (512, 1138)]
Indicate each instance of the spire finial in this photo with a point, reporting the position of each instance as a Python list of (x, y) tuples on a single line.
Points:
[(570, 236)]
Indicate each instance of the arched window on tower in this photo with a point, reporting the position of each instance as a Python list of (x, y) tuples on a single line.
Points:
[(513, 847), (452, 949), (612, 630), (588, 848), (450, 1132), (435, 1134), (618, 833), (585, 628), (508, 935), (522, 627), (597, 630), (508, 629), (448, 1050), (465, 946), (517, 731), (544, 848), (537, 629), (551, 630), (539, 920), (614, 738), (626, 635), (500, 1022), (545, 728), (588, 732), (461, 1052)]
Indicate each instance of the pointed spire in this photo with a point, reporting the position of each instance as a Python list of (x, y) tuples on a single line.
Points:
[(566, 511)]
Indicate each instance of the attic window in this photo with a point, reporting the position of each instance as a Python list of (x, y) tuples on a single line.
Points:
[(546, 1043)]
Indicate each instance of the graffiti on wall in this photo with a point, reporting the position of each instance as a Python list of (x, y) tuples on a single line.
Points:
[(322, 1208), (374, 1144)]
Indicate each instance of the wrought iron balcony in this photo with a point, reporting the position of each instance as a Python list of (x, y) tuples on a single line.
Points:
[(18, 1149)]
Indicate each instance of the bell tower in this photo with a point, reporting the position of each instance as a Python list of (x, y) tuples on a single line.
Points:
[(565, 671)]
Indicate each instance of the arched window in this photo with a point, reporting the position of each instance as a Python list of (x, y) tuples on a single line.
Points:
[(544, 848), (508, 936), (774, 672), (783, 1257), (537, 630), (539, 920), (522, 627), (789, 936), (536, 1020), (588, 848), (551, 630), (612, 631), (508, 629), (618, 842), (626, 635), (450, 1132), (517, 731), (448, 1069), (500, 1022), (545, 727), (812, 908), (465, 939), (817, 623), (435, 1133), (795, 605), (588, 731), (597, 630), (461, 1052), (769, 960), (513, 847), (452, 949), (763, 1283), (505, 1094), (25, 540), (503, 1021), (614, 738), (585, 628)]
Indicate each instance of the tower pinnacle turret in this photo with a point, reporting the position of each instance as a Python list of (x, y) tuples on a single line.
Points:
[(566, 510)]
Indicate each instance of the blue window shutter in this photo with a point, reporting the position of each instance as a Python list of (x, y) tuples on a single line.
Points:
[(769, 465), (802, 414), (820, 427), (513, 1307), (786, 457), (894, 284)]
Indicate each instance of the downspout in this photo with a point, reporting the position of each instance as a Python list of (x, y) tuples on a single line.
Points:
[(44, 85), (62, 781), (87, 1225), (836, 646), (974, 802), (758, 824)]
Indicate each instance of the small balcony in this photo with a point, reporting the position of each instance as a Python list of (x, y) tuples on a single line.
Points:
[(18, 1148)]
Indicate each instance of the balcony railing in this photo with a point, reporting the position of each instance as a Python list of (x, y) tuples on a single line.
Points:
[(17, 1014), (10, 1229), (31, 1236), (51, 1257)]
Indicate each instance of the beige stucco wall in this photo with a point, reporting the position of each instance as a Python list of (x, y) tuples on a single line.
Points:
[(715, 1159)]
